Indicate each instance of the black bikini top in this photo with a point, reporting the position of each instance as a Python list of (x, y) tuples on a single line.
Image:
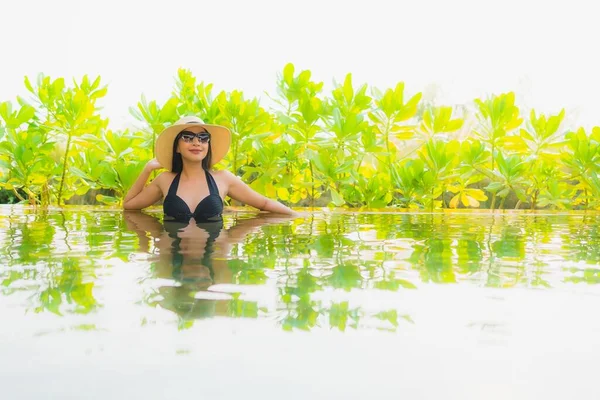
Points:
[(209, 209)]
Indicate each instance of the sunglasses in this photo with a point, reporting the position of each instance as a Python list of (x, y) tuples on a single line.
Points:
[(188, 137)]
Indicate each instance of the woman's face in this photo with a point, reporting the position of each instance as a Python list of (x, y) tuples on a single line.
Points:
[(192, 147)]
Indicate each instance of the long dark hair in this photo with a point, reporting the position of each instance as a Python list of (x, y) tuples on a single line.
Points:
[(177, 163)]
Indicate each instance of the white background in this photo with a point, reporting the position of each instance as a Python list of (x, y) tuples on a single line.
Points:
[(461, 49)]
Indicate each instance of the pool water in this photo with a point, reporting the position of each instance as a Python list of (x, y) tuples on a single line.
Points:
[(99, 303)]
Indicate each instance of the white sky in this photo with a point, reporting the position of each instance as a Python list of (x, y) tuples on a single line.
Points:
[(544, 50)]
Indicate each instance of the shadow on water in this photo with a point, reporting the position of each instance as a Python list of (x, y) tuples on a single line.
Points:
[(324, 270)]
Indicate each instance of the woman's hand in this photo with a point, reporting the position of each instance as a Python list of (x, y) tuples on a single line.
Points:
[(153, 165)]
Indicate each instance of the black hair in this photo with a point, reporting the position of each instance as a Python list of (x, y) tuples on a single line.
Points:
[(177, 163)]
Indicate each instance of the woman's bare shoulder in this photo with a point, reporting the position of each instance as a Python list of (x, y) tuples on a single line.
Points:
[(164, 179), (165, 176), (223, 174)]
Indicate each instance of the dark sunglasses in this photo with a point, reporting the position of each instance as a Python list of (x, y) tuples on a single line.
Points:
[(188, 137)]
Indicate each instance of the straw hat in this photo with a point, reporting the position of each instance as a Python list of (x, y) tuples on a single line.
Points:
[(220, 139)]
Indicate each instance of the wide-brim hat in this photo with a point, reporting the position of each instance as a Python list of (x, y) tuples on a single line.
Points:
[(220, 140)]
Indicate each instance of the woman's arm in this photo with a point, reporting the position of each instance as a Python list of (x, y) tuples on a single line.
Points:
[(243, 193), (141, 196)]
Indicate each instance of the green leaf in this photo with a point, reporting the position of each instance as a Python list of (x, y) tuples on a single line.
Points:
[(99, 93), (6, 110), (284, 119), (95, 84), (25, 114), (504, 192), (58, 85), (494, 186), (28, 85), (168, 111), (347, 88), (288, 73), (454, 125), (110, 200), (337, 198), (399, 94)]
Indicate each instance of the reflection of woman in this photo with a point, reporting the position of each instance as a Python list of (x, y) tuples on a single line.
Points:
[(191, 188), (194, 256)]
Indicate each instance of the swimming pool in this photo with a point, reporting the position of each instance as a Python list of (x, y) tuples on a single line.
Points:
[(100, 303)]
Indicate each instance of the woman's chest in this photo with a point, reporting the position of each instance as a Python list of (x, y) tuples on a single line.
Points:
[(192, 192)]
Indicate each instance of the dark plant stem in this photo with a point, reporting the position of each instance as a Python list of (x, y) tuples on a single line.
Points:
[(64, 171)]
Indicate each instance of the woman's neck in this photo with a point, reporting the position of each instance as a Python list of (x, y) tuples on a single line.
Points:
[(192, 171)]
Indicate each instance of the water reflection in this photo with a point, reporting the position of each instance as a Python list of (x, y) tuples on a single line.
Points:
[(191, 259), (341, 271)]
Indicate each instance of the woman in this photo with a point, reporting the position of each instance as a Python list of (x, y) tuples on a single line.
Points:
[(190, 189)]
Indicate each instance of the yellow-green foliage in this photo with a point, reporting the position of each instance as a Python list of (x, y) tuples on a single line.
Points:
[(356, 146)]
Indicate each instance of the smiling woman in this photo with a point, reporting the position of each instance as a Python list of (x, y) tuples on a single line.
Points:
[(190, 189)]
